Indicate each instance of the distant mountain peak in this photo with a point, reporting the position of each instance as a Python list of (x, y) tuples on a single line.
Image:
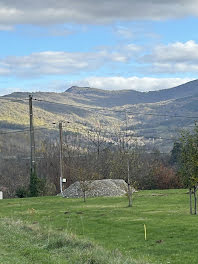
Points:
[(77, 89)]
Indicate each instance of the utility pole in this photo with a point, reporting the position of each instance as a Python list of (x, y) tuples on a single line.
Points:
[(61, 156), (32, 142), (128, 165), (126, 134)]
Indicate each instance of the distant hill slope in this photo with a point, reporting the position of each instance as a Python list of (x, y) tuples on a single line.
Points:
[(105, 98), (83, 107), (123, 97), (181, 91)]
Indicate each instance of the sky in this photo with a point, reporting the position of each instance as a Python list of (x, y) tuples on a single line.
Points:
[(51, 45)]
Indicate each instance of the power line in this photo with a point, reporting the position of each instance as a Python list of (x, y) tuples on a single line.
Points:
[(24, 130), (58, 103), (27, 129), (15, 132), (153, 114), (106, 109), (100, 109), (14, 99), (104, 134), (122, 111)]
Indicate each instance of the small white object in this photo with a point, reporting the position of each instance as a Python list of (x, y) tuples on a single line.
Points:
[(64, 180), (1, 195)]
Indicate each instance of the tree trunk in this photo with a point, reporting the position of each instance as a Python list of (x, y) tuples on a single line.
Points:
[(190, 193), (84, 196), (195, 199), (98, 147), (129, 195), (129, 187)]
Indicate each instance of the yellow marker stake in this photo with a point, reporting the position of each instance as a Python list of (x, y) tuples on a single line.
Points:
[(144, 231)]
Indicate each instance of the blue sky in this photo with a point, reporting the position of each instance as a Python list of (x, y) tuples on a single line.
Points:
[(51, 45)]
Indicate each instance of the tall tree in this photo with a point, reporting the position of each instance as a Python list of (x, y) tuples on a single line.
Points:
[(189, 164)]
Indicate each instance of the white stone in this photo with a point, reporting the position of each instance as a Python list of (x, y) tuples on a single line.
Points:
[(107, 187)]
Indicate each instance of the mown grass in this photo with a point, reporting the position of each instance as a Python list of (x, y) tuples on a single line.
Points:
[(172, 233)]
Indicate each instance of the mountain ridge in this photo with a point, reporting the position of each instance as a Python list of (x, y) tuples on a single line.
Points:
[(133, 97), (125, 96), (151, 114)]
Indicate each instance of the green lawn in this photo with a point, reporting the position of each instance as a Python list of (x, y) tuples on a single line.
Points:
[(172, 233)]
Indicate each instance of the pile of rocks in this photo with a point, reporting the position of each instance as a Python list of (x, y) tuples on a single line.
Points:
[(107, 187)]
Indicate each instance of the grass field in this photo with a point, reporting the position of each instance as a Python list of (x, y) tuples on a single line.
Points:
[(172, 233)]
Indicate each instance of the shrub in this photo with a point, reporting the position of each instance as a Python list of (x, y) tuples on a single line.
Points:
[(22, 192)]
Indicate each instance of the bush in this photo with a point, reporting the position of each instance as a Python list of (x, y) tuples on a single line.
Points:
[(34, 184), (37, 185), (162, 177), (22, 192)]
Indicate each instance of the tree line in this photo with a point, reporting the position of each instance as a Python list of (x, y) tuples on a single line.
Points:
[(93, 157)]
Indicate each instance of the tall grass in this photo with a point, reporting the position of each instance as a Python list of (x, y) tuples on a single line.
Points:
[(29, 243)]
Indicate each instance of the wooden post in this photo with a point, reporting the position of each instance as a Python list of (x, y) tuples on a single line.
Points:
[(32, 142), (61, 157)]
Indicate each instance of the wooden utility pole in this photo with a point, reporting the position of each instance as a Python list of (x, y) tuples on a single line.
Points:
[(128, 165), (61, 156), (32, 142)]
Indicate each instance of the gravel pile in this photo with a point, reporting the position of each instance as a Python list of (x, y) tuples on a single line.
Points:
[(107, 187)]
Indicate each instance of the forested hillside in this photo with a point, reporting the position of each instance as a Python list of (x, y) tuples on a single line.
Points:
[(154, 115), (102, 124)]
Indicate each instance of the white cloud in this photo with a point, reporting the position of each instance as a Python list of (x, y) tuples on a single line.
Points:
[(169, 59), (107, 83), (4, 72), (92, 12), (124, 32), (10, 90), (61, 63), (133, 48), (170, 68), (173, 58), (135, 83), (6, 28), (174, 52)]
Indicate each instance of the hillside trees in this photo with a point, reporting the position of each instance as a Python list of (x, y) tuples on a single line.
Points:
[(48, 166), (119, 157), (162, 176), (175, 153), (129, 161)]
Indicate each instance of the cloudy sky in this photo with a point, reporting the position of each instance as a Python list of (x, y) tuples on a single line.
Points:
[(50, 45)]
